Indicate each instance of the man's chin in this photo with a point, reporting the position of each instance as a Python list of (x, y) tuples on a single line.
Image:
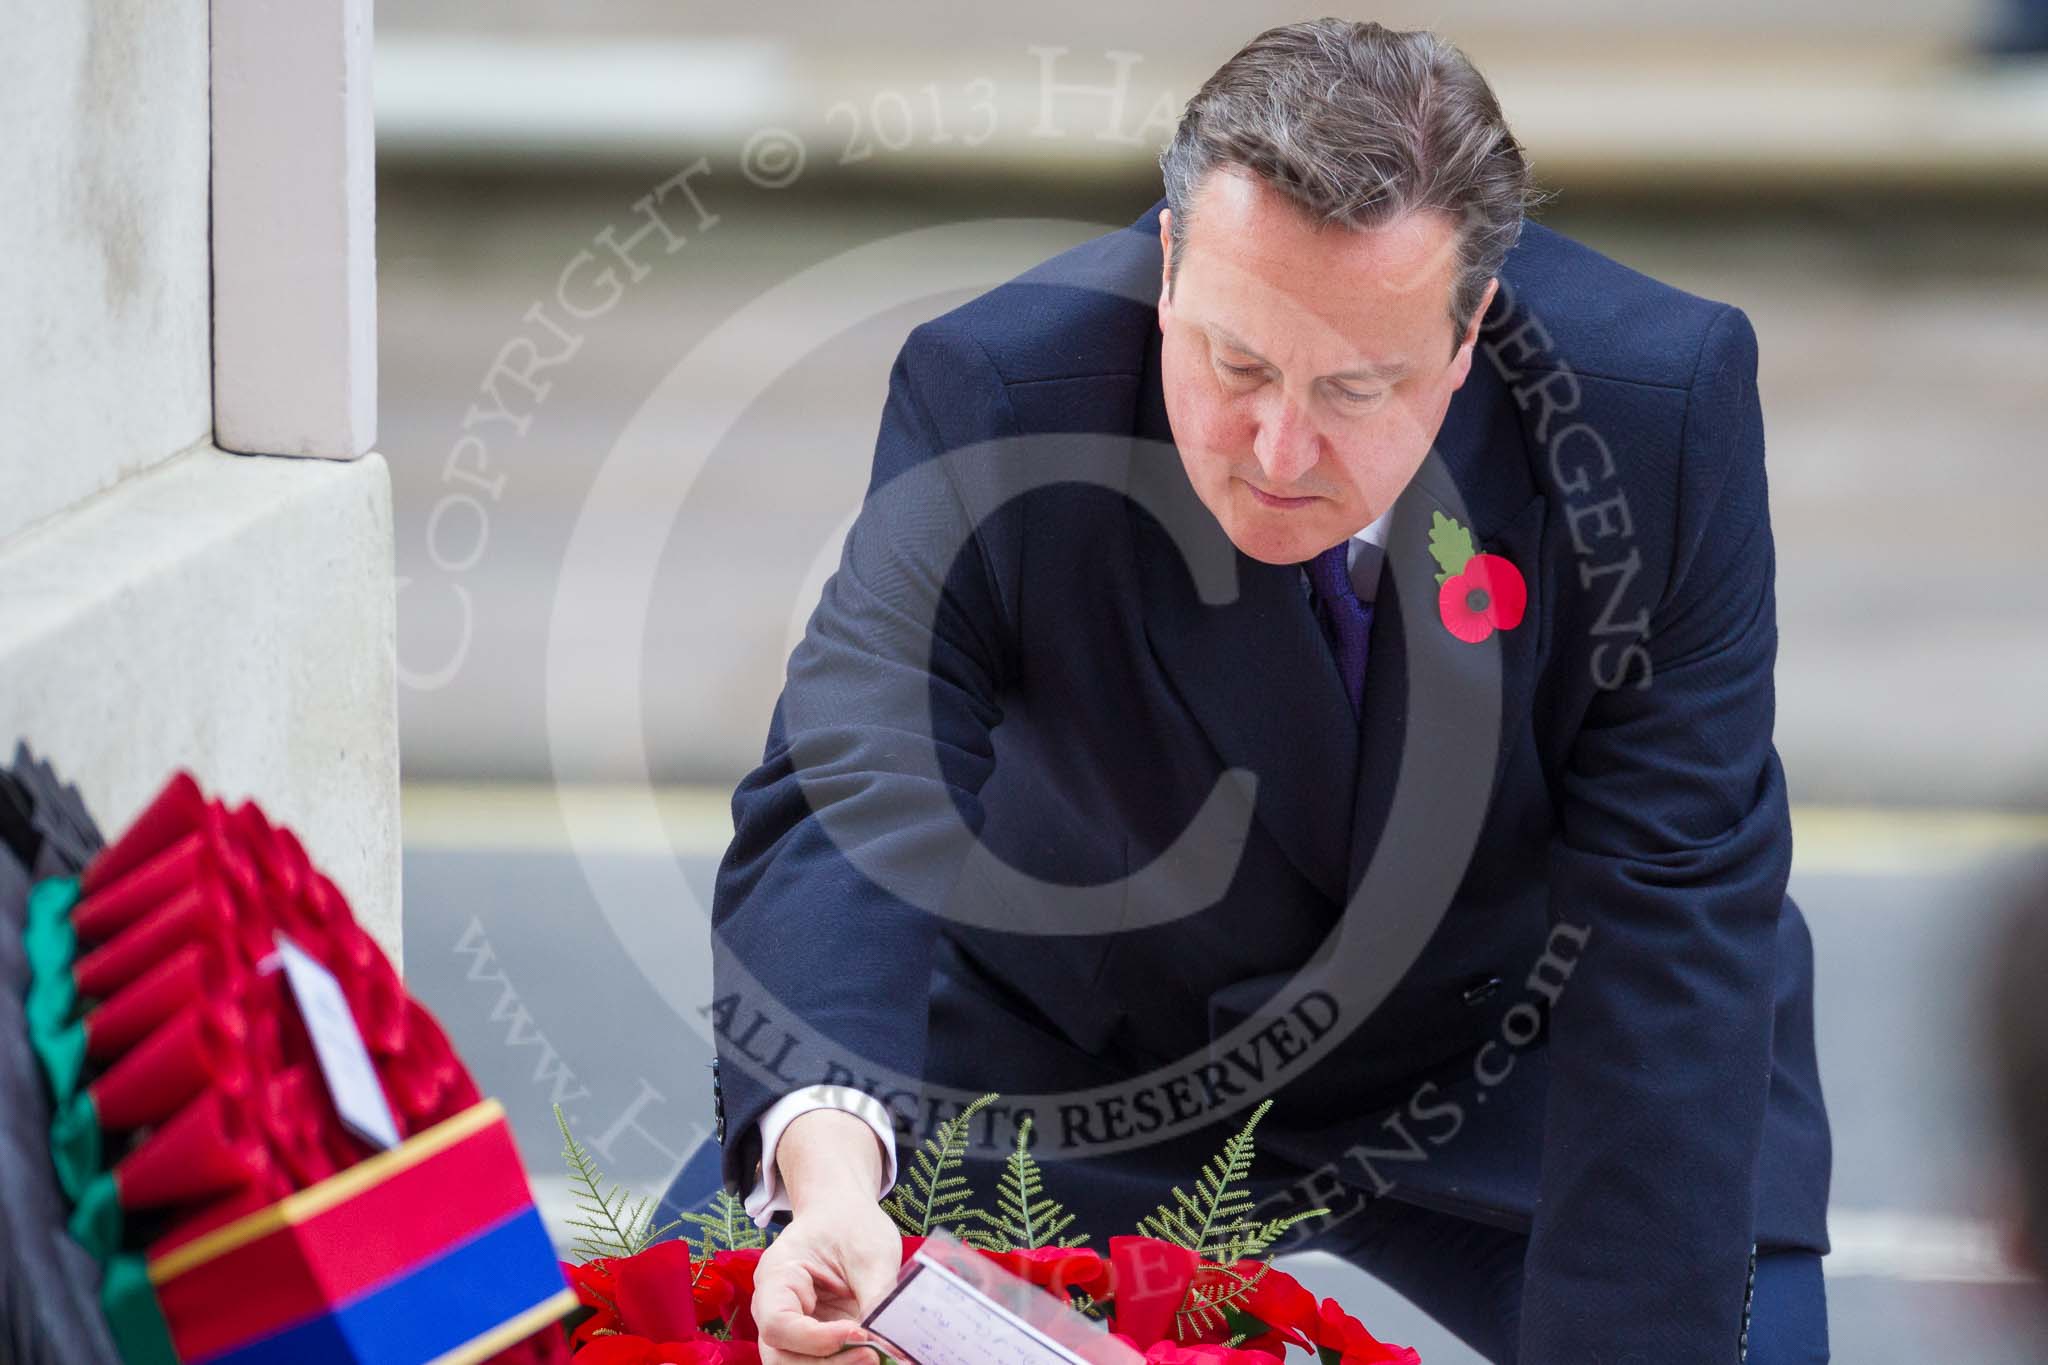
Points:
[(1270, 535), (1275, 557), (1257, 538)]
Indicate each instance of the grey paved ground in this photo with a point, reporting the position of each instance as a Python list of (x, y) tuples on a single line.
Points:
[(509, 949)]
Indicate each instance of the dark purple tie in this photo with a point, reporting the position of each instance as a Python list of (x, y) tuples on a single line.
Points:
[(1347, 622)]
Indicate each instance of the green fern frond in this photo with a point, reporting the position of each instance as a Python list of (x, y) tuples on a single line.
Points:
[(935, 1194), (726, 1227), (1214, 1300), (1252, 1240), (1025, 1217), (1213, 1221), (613, 1223), (1216, 1222)]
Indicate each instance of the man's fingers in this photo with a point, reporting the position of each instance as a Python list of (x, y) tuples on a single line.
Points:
[(804, 1336), (812, 1285), (784, 1287), (852, 1355), (784, 1322), (824, 1277)]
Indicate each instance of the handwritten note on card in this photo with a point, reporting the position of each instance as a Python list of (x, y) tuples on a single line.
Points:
[(934, 1317)]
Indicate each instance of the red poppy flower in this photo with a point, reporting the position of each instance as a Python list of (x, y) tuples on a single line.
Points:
[(1279, 1301), (659, 1289), (1487, 595), (1338, 1331), (632, 1350), (1216, 1282), (1177, 1353), (596, 1291), (736, 1268), (1057, 1269), (1151, 1282)]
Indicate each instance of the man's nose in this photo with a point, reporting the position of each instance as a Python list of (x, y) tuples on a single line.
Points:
[(1286, 443)]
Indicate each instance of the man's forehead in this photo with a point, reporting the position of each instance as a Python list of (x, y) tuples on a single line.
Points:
[(1239, 221), (1352, 363)]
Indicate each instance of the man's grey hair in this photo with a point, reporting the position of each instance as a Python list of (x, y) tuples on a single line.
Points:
[(1359, 124)]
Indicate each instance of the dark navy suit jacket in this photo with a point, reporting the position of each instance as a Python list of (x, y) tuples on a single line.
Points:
[(1585, 1004)]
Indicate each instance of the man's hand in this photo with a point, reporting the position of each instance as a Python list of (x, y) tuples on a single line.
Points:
[(840, 1253)]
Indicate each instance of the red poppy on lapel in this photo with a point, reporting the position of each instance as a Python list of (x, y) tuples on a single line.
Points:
[(1477, 594)]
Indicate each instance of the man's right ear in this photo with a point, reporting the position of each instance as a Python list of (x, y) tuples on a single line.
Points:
[(1165, 264)]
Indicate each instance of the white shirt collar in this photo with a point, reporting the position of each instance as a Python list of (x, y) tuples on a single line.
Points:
[(1376, 532), (1364, 553)]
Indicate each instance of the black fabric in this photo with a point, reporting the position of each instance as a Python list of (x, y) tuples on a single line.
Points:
[(55, 811), (49, 1287)]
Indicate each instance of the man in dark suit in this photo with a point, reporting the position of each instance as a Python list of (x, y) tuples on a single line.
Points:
[(1315, 643)]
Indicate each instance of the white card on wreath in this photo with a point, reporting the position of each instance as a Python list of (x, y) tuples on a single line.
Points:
[(338, 1045), (952, 1306)]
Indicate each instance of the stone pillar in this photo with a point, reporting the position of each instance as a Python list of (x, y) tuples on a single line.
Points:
[(164, 603)]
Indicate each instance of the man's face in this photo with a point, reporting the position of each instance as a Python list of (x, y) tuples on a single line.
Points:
[(1306, 369)]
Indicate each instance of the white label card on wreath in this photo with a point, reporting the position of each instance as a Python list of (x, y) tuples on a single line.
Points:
[(952, 1306), (344, 1060)]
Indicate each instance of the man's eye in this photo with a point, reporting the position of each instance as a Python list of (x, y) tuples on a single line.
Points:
[(1359, 398), (1241, 369)]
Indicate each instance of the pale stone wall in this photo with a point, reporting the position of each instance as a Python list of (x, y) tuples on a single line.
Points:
[(163, 603), (104, 366)]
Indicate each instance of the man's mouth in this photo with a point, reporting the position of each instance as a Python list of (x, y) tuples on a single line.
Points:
[(1272, 500)]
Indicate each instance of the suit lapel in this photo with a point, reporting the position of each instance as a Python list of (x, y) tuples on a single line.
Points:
[(1476, 473), (1240, 644)]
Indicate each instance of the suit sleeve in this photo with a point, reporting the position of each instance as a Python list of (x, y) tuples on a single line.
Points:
[(768, 1197), (855, 824), (1674, 852)]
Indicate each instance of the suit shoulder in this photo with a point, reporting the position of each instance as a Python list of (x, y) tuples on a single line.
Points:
[(1084, 312), (1564, 305)]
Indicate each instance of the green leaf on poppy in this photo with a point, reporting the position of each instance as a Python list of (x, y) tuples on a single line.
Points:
[(1242, 1324), (1450, 545)]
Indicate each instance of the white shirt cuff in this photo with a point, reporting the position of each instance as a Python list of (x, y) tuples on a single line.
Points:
[(768, 1196)]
